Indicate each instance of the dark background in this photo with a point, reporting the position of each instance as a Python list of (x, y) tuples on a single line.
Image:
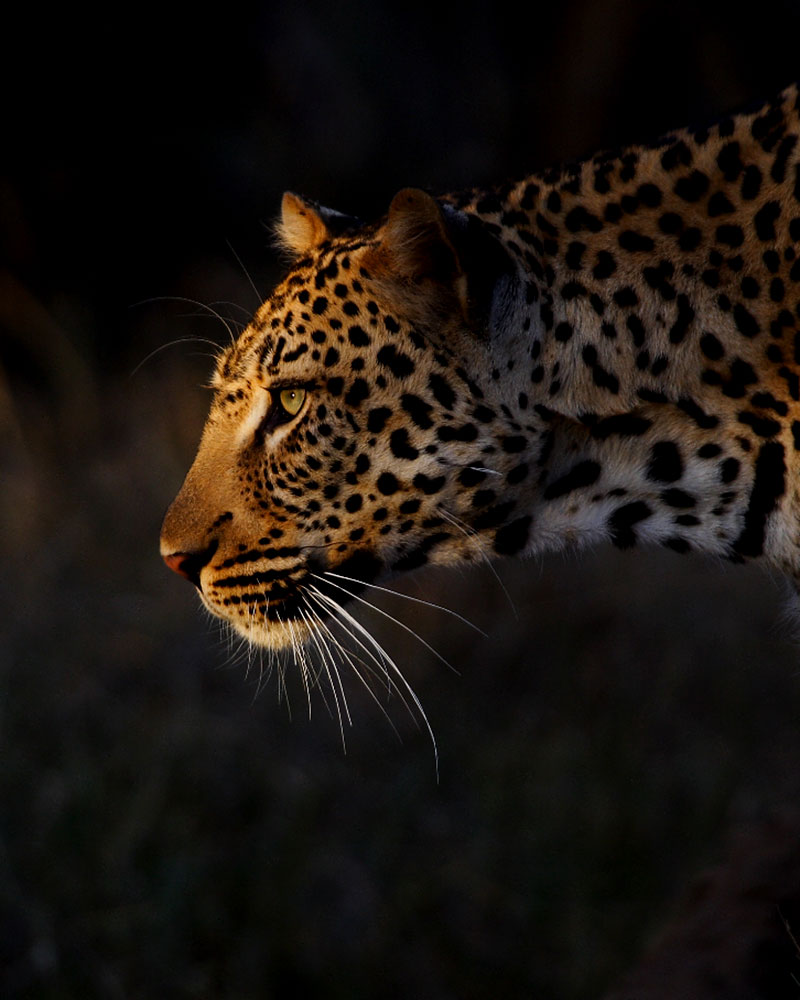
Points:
[(163, 831)]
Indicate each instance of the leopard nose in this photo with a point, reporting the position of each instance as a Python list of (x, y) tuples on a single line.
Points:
[(189, 564)]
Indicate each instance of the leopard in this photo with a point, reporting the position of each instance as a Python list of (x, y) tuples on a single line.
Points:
[(606, 351)]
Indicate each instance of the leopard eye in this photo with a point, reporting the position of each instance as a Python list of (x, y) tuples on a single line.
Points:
[(291, 400)]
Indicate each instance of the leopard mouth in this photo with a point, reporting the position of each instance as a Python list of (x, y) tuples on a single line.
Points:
[(276, 606), (275, 595)]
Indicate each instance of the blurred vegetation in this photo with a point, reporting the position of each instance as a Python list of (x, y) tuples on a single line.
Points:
[(163, 830)]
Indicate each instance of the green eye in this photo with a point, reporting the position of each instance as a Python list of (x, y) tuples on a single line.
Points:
[(291, 400)]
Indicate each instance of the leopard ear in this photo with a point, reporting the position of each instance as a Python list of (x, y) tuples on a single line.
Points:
[(415, 239), (304, 225), (450, 251)]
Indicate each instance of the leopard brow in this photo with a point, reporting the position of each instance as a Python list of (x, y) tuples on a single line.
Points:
[(276, 385)]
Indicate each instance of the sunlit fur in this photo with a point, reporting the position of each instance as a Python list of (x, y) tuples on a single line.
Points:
[(605, 352)]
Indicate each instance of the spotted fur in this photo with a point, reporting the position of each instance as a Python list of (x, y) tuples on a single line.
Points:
[(603, 352)]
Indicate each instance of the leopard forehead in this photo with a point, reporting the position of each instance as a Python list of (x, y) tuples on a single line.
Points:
[(324, 318)]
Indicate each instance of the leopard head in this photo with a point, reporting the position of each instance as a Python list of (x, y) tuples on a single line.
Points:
[(358, 428)]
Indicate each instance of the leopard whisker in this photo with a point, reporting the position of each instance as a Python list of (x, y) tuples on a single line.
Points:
[(233, 642), (174, 343), (416, 600), (263, 676), (344, 615), (380, 611), (349, 657), (342, 709), (302, 662), (380, 672), (239, 651), (380, 660), (240, 262), (335, 682), (251, 613), (441, 460), (473, 538), (283, 691), (266, 668), (213, 313)]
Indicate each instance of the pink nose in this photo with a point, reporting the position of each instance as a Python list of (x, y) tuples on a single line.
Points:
[(189, 564), (180, 563)]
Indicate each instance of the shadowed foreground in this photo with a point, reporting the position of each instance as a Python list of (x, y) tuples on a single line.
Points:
[(166, 831)]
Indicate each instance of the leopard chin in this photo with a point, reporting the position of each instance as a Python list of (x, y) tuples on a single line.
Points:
[(275, 636)]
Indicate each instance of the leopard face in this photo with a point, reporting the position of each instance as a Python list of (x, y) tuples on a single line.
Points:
[(352, 433)]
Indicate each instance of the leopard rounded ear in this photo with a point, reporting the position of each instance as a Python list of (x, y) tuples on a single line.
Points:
[(416, 239), (450, 253), (301, 227), (304, 225)]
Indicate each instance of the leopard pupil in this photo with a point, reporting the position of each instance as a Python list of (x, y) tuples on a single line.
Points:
[(292, 399)]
